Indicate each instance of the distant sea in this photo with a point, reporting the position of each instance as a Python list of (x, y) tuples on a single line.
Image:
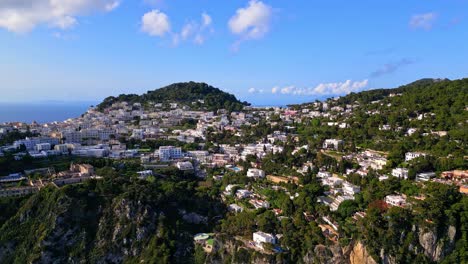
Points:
[(46, 112), (43, 112)]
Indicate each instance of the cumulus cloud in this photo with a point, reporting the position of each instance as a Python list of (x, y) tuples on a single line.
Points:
[(22, 16), (423, 21), (391, 67), (206, 20), (251, 22), (336, 88), (255, 91), (194, 31), (155, 23)]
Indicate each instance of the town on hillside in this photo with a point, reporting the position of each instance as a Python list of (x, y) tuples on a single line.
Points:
[(314, 172)]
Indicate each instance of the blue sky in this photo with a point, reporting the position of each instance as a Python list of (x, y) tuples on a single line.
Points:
[(265, 52)]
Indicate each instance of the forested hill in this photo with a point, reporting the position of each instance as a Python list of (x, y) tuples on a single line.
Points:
[(440, 103), (192, 94), (423, 88), (385, 119)]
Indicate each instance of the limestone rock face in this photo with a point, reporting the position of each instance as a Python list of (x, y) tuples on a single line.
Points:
[(436, 247), (359, 255)]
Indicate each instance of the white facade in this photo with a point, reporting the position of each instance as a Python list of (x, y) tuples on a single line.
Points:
[(184, 165), (332, 143), (138, 134), (145, 174), (63, 148), (30, 143), (169, 152), (350, 189), (413, 155), (199, 155), (235, 208), (42, 146), (400, 173), (261, 237), (425, 176), (324, 174), (395, 200), (241, 194), (255, 173), (332, 181)]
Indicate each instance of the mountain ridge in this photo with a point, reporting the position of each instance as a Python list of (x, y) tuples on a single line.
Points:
[(196, 95)]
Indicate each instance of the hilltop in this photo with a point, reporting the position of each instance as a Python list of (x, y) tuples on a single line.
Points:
[(191, 94), (416, 87)]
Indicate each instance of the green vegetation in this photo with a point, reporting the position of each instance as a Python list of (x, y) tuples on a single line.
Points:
[(184, 93), (14, 135), (123, 219), (427, 106), (117, 219)]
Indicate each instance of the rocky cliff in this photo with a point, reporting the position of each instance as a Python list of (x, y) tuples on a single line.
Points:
[(93, 223)]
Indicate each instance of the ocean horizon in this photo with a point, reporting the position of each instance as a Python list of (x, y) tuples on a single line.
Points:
[(41, 112), (46, 112)]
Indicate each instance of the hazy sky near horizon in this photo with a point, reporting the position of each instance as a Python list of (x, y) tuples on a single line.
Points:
[(265, 52)]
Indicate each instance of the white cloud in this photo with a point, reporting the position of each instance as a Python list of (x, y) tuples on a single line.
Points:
[(22, 16), (188, 30), (423, 21), (199, 39), (65, 22), (255, 91), (288, 90), (111, 6), (155, 23), (337, 88), (251, 22), (194, 31), (206, 20)]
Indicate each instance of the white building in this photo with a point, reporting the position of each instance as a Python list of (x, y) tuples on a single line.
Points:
[(200, 155), (229, 188), (260, 238), (400, 173), (324, 174), (71, 136), (169, 152), (30, 143), (425, 176), (138, 134), (42, 146), (395, 200), (413, 155), (338, 200), (242, 193), (350, 189), (259, 203), (332, 144), (332, 181), (63, 148), (235, 208), (145, 174), (184, 165), (255, 173)]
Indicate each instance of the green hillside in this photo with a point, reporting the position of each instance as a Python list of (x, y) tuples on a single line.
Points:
[(434, 109), (115, 220), (188, 93)]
